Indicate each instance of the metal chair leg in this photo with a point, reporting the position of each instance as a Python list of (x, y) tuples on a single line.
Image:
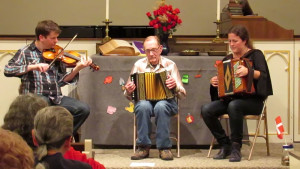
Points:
[(178, 135), (211, 147), (255, 136), (267, 134), (134, 133), (263, 116)]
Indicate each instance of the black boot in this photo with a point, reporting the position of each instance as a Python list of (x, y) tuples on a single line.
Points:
[(224, 152), (236, 155)]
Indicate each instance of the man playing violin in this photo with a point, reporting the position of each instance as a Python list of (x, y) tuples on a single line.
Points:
[(38, 77)]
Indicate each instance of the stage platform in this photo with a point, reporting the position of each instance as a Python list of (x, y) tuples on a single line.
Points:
[(194, 159)]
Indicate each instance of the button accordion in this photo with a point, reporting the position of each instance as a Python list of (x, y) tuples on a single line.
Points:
[(231, 85), (151, 86)]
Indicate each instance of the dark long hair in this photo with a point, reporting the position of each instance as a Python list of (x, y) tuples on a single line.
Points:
[(242, 32)]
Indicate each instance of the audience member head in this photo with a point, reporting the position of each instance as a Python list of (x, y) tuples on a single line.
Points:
[(20, 115), (14, 151), (153, 49), (44, 28), (242, 33), (53, 129), (246, 8)]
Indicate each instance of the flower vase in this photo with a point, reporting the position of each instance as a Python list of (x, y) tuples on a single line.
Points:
[(164, 42)]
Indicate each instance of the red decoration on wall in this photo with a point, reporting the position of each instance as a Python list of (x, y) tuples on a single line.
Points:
[(198, 75), (108, 79)]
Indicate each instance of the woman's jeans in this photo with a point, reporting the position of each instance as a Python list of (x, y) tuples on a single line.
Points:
[(236, 109), (162, 110)]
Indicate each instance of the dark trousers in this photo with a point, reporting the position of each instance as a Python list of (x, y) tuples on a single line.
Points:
[(78, 109), (236, 109)]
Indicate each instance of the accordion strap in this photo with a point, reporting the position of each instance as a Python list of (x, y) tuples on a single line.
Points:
[(250, 69), (250, 75), (246, 55)]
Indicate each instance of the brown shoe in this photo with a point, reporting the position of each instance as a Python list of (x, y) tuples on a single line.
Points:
[(141, 152), (166, 154)]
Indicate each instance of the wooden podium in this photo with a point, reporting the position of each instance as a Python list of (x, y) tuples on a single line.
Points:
[(258, 27)]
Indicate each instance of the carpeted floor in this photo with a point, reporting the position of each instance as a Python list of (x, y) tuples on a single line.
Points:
[(193, 159)]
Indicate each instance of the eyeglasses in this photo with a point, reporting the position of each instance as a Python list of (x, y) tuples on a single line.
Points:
[(154, 50)]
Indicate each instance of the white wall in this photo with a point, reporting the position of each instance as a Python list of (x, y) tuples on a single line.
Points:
[(197, 15)]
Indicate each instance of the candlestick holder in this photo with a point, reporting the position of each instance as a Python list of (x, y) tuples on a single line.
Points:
[(106, 38), (218, 39)]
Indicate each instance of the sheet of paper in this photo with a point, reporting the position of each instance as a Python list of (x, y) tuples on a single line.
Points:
[(134, 164)]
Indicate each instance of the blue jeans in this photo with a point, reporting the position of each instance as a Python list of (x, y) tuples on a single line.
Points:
[(162, 110), (78, 109)]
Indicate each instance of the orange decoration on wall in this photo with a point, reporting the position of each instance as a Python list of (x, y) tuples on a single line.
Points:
[(108, 79)]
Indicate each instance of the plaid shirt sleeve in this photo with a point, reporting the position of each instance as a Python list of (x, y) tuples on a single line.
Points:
[(16, 65)]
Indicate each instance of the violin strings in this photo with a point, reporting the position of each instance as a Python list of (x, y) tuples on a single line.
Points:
[(62, 50)]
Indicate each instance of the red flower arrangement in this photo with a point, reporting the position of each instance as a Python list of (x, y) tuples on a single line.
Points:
[(164, 18)]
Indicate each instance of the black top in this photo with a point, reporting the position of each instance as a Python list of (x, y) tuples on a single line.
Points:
[(262, 85), (57, 161)]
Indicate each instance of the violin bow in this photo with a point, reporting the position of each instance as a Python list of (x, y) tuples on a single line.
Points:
[(62, 50)]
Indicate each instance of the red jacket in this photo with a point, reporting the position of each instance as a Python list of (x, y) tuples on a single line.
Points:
[(72, 154)]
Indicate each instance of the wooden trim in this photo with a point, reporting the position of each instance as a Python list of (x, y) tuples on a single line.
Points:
[(179, 37), (295, 155)]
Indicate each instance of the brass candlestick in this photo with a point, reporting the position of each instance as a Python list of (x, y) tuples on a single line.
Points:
[(218, 39), (106, 38)]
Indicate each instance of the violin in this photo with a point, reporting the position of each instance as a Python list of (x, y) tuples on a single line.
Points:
[(70, 58)]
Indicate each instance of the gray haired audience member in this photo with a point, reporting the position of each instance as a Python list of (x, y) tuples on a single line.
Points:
[(20, 115), (52, 133), (14, 151)]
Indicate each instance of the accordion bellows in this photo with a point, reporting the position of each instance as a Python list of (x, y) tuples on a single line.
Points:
[(151, 86)]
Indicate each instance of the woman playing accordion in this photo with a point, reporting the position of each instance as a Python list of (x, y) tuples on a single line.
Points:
[(237, 105)]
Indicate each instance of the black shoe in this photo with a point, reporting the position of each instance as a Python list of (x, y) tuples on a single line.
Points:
[(236, 154), (223, 153)]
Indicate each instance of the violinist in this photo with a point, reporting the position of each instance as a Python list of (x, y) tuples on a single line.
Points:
[(38, 77)]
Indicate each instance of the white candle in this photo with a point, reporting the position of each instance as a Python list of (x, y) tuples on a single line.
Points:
[(107, 9), (218, 10)]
